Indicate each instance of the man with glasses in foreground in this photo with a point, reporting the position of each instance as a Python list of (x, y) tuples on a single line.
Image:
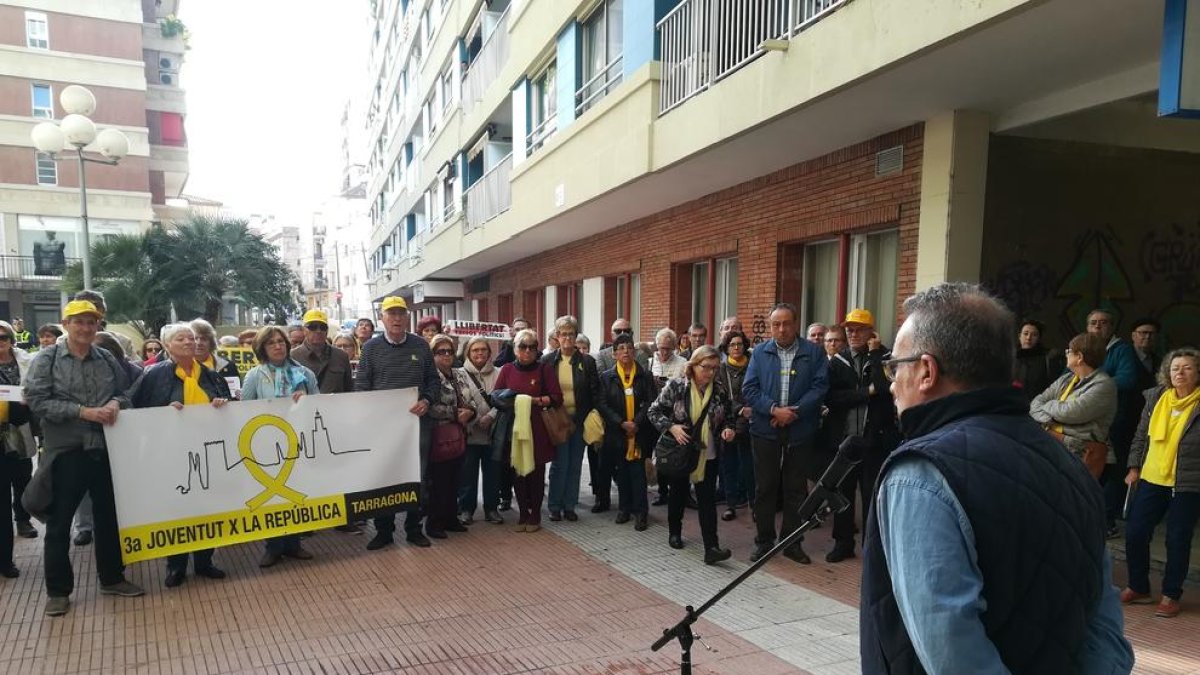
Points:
[(399, 359), (984, 551)]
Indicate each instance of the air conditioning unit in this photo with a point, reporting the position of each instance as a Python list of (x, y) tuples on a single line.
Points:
[(166, 78), (166, 63)]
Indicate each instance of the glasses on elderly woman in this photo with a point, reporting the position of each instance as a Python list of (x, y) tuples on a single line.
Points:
[(151, 349), (443, 352), (527, 345)]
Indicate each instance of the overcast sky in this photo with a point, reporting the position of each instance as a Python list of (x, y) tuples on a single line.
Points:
[(266, 81)]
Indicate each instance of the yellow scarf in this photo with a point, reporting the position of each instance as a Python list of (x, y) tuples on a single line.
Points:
[(192, 393), (632, 451), (1062, 397), (698, 402), (738, 363), (522, 435), (1167, 423)]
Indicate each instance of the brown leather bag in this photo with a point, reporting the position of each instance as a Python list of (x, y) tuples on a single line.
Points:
[(1095, 454), (559, 425)]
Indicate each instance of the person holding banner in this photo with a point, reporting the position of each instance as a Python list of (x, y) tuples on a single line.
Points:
[(76, 389), (277, 375), (535, 386), (332, 366), (178, 380)]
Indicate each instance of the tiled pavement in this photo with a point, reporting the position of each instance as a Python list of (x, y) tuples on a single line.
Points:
[(586, 597)]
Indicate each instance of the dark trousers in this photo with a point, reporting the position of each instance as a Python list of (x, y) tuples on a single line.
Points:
[(706, 503), (530, 491), (201, 560), (1150, 503), (7, 468), (506, 482), (1113, 482), (386, 525), (288, 543), (737, 471), (601, 473), (443, 493), (860, 480), (478, 460), (22, 471), (74, 474), (778, 469), (631, 481)]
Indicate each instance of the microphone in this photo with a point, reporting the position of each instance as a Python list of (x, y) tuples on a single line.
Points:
[(849, 455)]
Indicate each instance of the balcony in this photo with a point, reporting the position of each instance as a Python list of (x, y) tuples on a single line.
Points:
[(490, 196), (33, 272), (705, 41), (166, 99), (486, 67)]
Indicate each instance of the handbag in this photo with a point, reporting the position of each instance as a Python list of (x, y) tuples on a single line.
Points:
[(558, 422), (1095, 454), (18, 440), (449, 442), (673, 459)]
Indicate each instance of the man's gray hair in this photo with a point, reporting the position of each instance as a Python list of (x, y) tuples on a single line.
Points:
[(666, 333), (172, 329), (203, 329), (566, 321), (970, 333)]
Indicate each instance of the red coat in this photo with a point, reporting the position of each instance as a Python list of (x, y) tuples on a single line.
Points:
[(536, 380)]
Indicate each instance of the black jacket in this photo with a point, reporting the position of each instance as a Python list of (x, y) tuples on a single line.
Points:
[(584, 377), (881, 428), (159, 386), (610, 402), (842, 397), (1037, 369)]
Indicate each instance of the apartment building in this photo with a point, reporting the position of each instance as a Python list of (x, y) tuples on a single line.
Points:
[(675, 161), (128, 53)]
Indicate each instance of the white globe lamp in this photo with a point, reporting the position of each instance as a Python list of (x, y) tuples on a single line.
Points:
[(112, 144), (77, 100), (79, 130), (48, 138)]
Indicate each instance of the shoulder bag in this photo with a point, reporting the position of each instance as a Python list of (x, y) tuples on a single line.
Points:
[(558, 422), (673, 459)]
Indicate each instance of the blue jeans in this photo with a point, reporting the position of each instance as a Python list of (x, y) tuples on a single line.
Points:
[(737, 471), (1150, 503), (479, 458), (565, 472)]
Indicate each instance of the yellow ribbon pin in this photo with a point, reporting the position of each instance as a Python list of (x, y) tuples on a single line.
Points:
[(273, 485)]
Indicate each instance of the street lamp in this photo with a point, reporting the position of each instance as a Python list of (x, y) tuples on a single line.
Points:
[(78, 130)]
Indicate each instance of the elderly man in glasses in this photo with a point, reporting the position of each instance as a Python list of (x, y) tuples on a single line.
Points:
[(604, 358), (332, 366), (1121, 364)]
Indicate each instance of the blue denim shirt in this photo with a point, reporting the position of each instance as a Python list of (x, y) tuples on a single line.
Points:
[(936, 550)]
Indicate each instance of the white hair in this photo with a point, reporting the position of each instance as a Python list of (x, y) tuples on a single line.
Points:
[(666, 333), (170, 330)]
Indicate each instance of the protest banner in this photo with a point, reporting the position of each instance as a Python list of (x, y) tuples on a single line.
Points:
[(242, 357), (484, 329), (201, 477)]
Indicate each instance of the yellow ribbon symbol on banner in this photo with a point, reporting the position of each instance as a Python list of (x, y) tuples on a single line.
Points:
[(278, 484)]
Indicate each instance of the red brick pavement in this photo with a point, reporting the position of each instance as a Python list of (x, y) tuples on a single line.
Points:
[(491, 601)]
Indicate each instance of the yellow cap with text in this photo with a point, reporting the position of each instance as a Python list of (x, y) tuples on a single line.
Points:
[(79, 307), (394, 302)]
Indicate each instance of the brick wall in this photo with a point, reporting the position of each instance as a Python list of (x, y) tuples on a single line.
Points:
[(827, 196)]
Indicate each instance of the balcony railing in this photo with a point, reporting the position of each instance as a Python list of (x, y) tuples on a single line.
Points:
[(487, 65), (544, 130), (38, 268), (490, 196), (598, 86), (704, 41)]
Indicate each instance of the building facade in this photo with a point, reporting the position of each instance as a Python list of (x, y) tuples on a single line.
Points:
[(128, 53), (675, 161)]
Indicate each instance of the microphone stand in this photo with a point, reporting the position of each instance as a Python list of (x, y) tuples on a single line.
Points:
[(682, 631)]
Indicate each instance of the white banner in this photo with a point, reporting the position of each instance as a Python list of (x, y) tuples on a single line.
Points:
[(201, 477)]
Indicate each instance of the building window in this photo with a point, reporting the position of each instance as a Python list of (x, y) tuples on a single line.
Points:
[(447, 81), (47, 170), (628, 291), (37, 30), (874, 277), (601, 58), (43, 101), (544, 107), (172, 129), (723, 300), (820, 303)]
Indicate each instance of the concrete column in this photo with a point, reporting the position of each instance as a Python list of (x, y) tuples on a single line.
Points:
[(953, 187)]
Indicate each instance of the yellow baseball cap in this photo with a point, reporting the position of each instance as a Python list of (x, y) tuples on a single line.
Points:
[(316, 316), (861, 317), (394, 302), (79, 307)]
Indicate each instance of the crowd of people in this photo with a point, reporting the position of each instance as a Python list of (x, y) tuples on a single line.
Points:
[(517, 418)]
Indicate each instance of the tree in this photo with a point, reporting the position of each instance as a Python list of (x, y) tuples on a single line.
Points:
[(193, 269)]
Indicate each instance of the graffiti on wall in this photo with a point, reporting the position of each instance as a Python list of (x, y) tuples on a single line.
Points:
[(1172, 256), (1095, 278), (758, 329), (1023, 286)]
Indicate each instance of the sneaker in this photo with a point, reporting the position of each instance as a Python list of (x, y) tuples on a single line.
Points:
[(25, 529), (730, 514), (466, 518), (83, 538), (493, 517), (506, 505), (123, 588), (1132, 597), (57, 605), (1168, 608), (555, 516), (675, 541), (379, 541)]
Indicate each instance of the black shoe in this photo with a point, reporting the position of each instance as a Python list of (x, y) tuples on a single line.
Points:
[(555, 516), (639, 523), (211, 572), (10, 571), (379, 541), (730, 514), (659, 501), (796, 552), (760, 550), (270, 559), (349, 528), (691, 503), (570, 516), (174, 578), (83, 538), (713, 556), (456, 527), (25, 530), (622, 517), (506, 505), (298, 553), (601, 507), (840, 552), (493, 517), (417, 539), (433, 533), (675, 541)]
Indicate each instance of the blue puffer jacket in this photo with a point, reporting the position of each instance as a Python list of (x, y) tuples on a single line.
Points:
[(806, 391), (159, 385)]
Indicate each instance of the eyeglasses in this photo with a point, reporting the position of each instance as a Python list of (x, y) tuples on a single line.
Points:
[(707, 368), (622, 331), (276, 341), (739, 345), (527, 345), (443, 352), (153, 350), (889, 366), (315, 327)]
